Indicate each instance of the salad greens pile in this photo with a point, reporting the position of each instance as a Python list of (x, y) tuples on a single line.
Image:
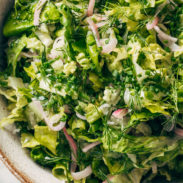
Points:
[(95, 89)]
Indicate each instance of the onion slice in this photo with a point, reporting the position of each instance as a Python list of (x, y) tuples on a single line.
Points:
[(154, 23), (120, 113), (72, 144), (58, 127), (108, 48), (90, 146), (80, 116), (172, 45), (94, 29), (179, 132), (50, 121), (163, 35), (38, 11), (82, 174), (91, 7)]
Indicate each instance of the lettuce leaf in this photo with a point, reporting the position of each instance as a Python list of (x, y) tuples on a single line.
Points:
[(17, 114), (28, 140), (46, 137), (60, 171), (14, 51), (92, 113)]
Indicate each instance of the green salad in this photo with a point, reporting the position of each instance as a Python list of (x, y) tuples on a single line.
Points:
[(95, 88)]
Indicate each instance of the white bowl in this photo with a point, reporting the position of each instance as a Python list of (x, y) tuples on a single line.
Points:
[(11, 152)]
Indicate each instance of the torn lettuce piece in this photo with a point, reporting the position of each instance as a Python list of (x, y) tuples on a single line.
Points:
[(92, 113), (157, 107), (61, 171), (153, 54), (93, 50), (17, 114), (77, 125), (46, 137), (132, 99), (14, 26), (33, 114), (96, 83), (83, 61), (44, 35), (114, 62), (111, 95), (14, 51), (15, 83), (28, 140), (34, 44), (117, 163), (69, 68), (50, 13), (8, 94)]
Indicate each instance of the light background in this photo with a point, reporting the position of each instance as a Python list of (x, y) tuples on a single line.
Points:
[(6, 176)]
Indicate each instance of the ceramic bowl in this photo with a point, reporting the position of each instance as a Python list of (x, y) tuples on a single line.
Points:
[(11, 153)]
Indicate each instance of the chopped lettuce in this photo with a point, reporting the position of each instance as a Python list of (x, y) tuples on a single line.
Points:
[(28, 140), (46, 137), (85, 67), (61, 171)]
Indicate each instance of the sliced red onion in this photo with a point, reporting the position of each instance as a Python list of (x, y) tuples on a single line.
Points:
[(179, 132), (172, 45), (90, 146), (91, 7), (154, 23), (82, 174), (73, 164), (37, 11), (80, 116), (72, 144), (154, 168), (108, 48), (120, 113), (163, 35), (50, 122), (94, 29)]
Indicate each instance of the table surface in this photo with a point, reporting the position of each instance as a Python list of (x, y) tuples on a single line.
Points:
[(6, 176)]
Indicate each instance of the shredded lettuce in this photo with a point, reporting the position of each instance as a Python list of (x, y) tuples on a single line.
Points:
[(67, 69)]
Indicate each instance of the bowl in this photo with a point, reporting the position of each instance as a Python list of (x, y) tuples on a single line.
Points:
[(13, 156)]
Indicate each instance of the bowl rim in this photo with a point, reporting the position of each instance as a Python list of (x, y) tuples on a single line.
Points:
[(9, 165)]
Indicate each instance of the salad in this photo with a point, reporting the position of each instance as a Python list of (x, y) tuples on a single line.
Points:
[(95, 88)]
